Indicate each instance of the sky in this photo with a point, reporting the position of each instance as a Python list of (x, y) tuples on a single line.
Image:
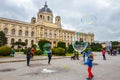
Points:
[(101, 17)]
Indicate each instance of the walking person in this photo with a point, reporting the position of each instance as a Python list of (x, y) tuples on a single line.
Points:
[(28, 56), (103, 54), (111, 51), (90, 65), (12, 52), (49, 52), (83, 54)]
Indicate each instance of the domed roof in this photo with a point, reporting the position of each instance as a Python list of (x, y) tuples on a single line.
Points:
[(45, 9)]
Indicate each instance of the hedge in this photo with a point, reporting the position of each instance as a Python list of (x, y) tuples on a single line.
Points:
[(38, 52), (58, 51), (5, 51)]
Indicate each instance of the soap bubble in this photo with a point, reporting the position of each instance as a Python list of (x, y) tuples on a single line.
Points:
[(78, 44), (88, 20)]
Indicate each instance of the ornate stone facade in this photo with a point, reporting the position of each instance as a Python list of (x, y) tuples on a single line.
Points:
[(41, 27)]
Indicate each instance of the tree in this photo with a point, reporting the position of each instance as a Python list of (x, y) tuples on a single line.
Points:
[(115, 44), (42, 42), (20, 44), (3, 38), (34, 46), (96, 47), (61, 44), (70, 49)]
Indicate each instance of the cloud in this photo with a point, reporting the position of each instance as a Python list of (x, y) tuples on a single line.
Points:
[(107, 13)]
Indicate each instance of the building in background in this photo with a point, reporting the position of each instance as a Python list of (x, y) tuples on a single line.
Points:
[(41, 27)]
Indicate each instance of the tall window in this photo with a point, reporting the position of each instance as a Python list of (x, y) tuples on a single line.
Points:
[(20, 32), (48, 18), (26, 41), (26, 27), (32, 33), (45, 34), (32, 42), (13, 31), (50, 35), (55, 35), (12, 40), (40, 16), (71, 38), (6, 30), (19, 40), (26, 33), (64, 37)]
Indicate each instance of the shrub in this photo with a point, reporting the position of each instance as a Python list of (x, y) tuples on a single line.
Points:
[(96, 47), (70, 49), (16, 50), (87, 49), (62, 45), (38, 52), (5, 51), (58, 51)]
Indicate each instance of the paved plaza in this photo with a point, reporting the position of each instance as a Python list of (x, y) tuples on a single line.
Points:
[(61, 69)]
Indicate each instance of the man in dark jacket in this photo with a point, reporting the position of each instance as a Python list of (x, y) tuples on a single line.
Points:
[(28, 56)]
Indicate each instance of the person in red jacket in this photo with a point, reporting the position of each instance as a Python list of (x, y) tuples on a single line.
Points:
[(32, 52), (103, 54)]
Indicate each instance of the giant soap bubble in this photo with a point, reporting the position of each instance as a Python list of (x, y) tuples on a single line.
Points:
[(47, 47), (88, 19), (78, 44)]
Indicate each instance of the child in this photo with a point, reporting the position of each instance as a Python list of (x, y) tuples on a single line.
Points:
[(83, 54), (89, 63), (12, 52)]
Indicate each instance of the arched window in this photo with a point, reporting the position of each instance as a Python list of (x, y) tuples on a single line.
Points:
[(32, 42), (26, 33), (68, 44), (58, 20), (40, 16), (54, 43), (26, 41), (48, 18), (64, 37), (13, 31), (12, 41), (45, 34), (50, 35), (19, 40), (55, 35), (20, 32), (6, 30), (32, 33)]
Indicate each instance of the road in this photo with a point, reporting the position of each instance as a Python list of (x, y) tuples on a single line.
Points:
[(62, 69)]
